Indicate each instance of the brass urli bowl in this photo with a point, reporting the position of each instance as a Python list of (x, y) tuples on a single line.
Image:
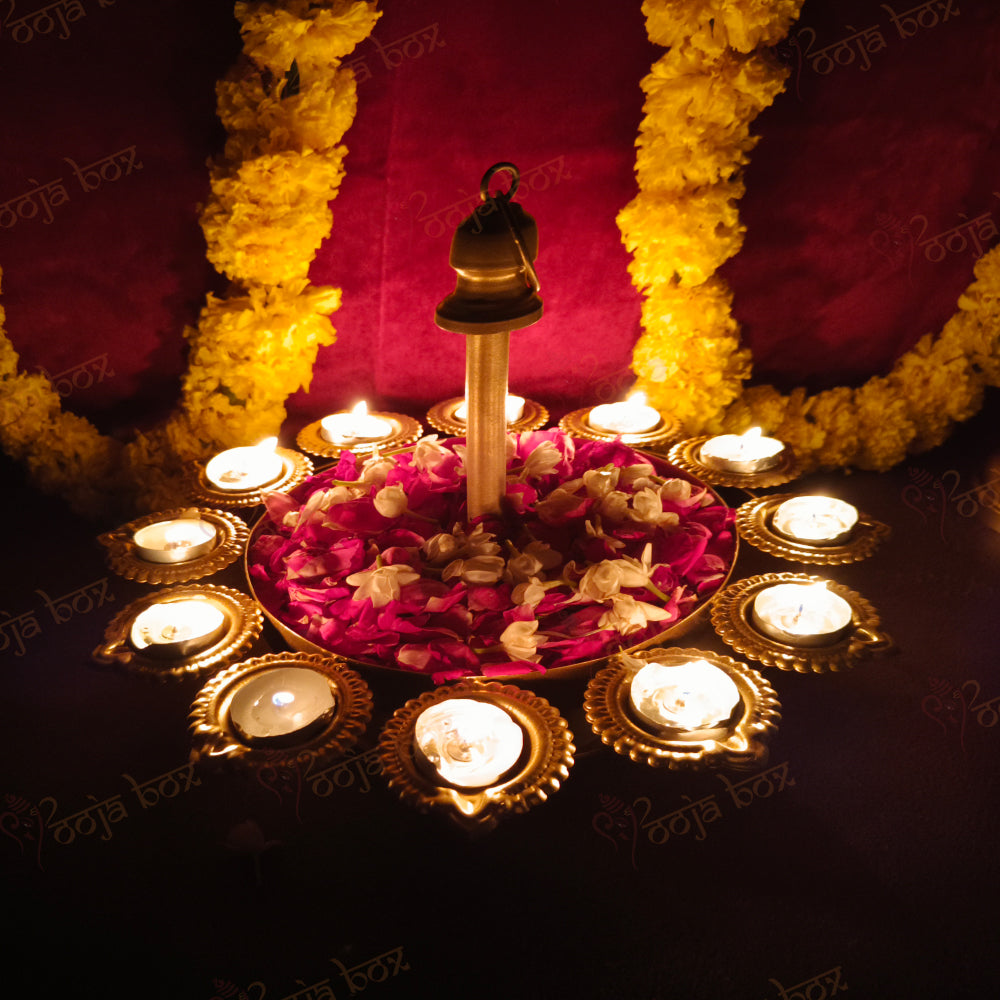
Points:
[(578, 668)]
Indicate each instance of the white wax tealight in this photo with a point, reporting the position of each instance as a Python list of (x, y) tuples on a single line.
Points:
[(280, 702), (513, 408), (815, 520), (632, 416), (177, 628), (801, 614), (356, 427), (245, 468), (470, 743), (177, 540), (744, 453), (688, 696)]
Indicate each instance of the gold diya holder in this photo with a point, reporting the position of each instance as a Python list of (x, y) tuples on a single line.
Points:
[(687, 455), (122, 556), (217, 739), (441, 416), (540, 771), (295, 469), (738, 742), (754, 523), (661, 436), (732, 619), (242, 624), (405, 430)]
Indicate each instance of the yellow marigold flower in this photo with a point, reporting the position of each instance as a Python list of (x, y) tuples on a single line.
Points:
[(833, 409), (711, 25), (316, 118), (267, 218), (884, 426), (276, 34), (681, 238)]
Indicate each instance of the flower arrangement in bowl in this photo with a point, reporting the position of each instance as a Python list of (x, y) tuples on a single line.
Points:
[(598, 548)]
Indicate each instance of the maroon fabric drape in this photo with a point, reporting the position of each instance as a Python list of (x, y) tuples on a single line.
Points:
[(869, 196)]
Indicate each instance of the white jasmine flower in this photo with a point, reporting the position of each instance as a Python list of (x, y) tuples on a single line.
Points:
[(478, 569), (382, 584), (390, 501), (531, 592), (628, 615), (375, 470), (428, 453), (601, 581), (520, 642), (600, 482), (647, 507), (542, 461), (441, 547)]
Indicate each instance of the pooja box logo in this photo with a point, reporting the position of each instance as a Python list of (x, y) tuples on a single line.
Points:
[(42, 199), (53, 19), (81, 376), (16, 630), (620, 823), (820, 987), (859, 46)]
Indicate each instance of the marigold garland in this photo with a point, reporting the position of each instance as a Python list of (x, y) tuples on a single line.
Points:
[(701, 97), (266, 218)]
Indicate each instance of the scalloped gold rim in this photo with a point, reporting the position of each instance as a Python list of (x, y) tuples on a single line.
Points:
[(753, 521), (545, 766), (686, 455), (441, 416), (740, 744), (215, 738), (407, 430), (674, 631), (232, 534), (731, 619), (662, 436), (296, 468), (244, 622)]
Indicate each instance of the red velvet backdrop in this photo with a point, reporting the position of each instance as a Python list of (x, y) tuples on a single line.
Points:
[(873, 190)]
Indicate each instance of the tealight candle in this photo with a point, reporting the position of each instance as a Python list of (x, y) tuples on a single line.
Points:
[(281, 702), (513, 408), (245, 468), (688, 696), (469, 743), (178, 540), (815, 520), (632, 416), (357, 427), (745, 453), (801, 614), (177, 628)]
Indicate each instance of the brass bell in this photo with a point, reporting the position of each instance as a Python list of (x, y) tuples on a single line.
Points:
[(493, 252)]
